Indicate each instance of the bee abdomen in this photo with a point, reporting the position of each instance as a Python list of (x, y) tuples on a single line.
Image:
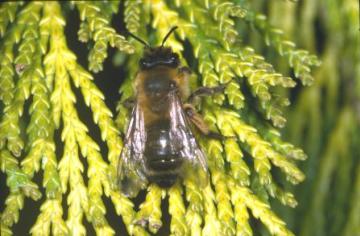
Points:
[(163, 162), (163, 180), (163, 171)]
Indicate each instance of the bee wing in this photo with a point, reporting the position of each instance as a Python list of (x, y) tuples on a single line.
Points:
[(131, 176), (180, 133)]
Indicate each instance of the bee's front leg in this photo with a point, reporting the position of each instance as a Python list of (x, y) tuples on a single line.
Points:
[(129, 103), (199, 122), (206, 91), (184, 71)]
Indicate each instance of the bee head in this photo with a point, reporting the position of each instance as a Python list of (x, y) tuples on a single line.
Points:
[(159, 56), (156, 56)]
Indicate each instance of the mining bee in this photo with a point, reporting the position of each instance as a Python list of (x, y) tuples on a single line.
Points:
[(159, 145)]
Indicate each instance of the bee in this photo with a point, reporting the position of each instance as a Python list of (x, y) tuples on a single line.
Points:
[(159, 145)]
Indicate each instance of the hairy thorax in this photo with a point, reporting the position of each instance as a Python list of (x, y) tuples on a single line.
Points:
[(152, 88)]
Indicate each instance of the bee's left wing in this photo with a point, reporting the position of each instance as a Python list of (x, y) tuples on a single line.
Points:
[(181, 135), (131, 176)]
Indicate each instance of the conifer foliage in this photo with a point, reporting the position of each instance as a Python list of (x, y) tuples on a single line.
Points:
[(38, 68)]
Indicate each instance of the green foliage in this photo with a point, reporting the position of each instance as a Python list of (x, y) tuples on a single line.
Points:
[(95, 25), (38, 68), (325, 117)]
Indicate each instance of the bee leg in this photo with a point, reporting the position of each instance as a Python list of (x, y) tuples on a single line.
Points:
[(129, 103), (184, 70), (143, 222), (206, 91), (200, 124)]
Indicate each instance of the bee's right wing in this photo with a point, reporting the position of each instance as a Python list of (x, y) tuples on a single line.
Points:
[(131, 178), (195, 166)]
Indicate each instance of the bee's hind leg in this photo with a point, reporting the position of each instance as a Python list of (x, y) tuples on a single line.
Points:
[(143, 222), (199, 122), (206, 91)]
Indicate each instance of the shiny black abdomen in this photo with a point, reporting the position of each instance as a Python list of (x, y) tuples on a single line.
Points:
[(162, 158)]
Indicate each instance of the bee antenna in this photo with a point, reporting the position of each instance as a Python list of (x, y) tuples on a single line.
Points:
[(168, 34), (139, 39)]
